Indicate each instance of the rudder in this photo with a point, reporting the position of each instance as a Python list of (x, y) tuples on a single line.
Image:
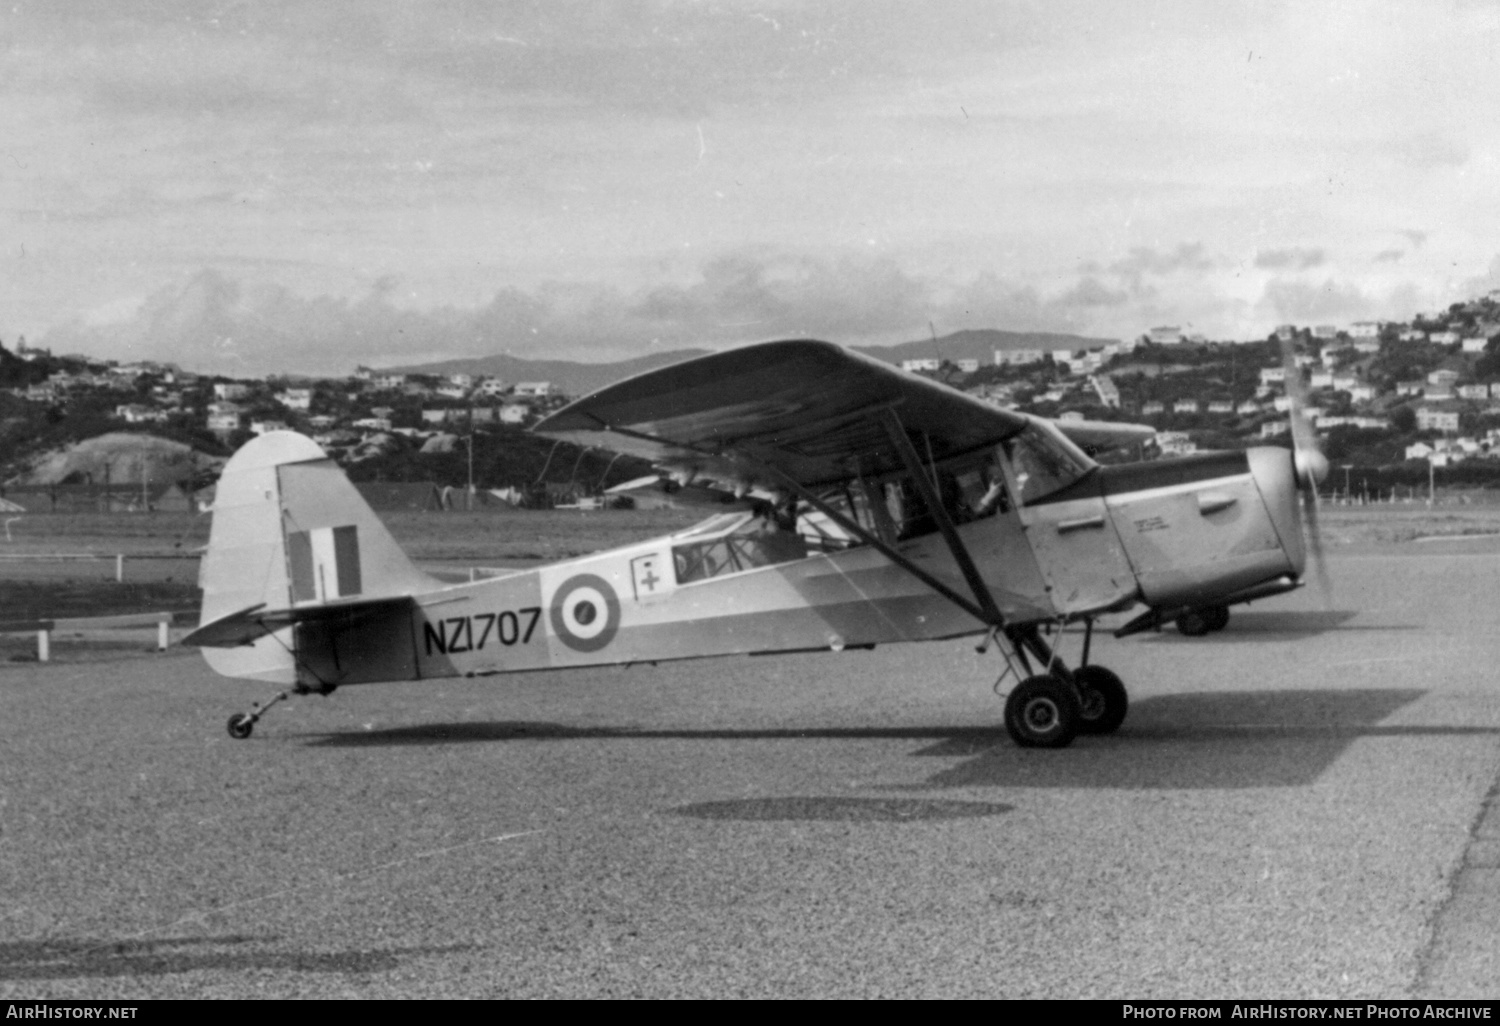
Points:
[(290, 529)]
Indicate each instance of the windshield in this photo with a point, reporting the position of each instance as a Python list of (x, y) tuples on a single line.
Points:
[(1044, 461)]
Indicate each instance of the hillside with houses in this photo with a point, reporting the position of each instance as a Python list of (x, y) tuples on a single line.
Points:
[(1390, 398)]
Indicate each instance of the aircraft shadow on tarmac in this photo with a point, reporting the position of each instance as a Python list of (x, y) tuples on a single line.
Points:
[(1280, 624), (94, 958), (1221, 740), (1193, 741)]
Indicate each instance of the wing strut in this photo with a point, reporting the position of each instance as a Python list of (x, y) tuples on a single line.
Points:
[(982, 607), (874, 540), (956, 546)]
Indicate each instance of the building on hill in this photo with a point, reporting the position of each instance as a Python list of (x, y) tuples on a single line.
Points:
[(296, 398), (1436, 418), (1018, 357), (1107, 390)]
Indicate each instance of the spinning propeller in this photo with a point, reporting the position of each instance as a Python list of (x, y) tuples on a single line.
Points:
[(1308, 461)]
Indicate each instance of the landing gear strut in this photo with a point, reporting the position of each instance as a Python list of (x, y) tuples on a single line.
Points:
[(1048, 710), (242, 724)]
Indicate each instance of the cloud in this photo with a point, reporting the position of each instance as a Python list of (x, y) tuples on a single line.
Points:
[(212, 322), (1294, 258), (1388, 256), (1143, 260), (1429, 150), (1299, 301), (1485, 283), (215, 321)]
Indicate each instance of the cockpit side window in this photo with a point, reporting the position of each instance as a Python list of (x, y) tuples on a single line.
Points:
[(753, 542), (1043, 462), (968, 490)]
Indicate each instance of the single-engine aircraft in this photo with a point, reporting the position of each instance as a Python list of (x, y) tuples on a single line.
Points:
[(877, 506)]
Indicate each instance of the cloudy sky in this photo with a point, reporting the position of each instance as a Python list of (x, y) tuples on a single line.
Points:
[(304, 186)]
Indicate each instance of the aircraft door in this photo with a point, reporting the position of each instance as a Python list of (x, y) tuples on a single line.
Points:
[(1072, 536)]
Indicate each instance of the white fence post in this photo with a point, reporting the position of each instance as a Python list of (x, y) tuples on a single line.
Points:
[(161, 636), (120, 567), (43, 645)]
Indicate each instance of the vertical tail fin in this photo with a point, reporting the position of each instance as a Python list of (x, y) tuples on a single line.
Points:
[(290, 529)]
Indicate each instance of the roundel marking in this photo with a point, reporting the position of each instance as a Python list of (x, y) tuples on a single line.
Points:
[(585, 613)]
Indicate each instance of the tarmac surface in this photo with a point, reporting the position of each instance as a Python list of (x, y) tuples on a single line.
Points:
[(1295, 807)]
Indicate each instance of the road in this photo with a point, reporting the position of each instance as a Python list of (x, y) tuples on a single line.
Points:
[(1294, 808)]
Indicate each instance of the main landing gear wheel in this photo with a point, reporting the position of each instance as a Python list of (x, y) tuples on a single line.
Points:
[(1042, 712), (240, 726), (1103, 699), (1197, 622)]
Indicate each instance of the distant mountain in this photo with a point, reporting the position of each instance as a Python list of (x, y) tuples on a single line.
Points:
[(582, 378), (979, 345), (570, 377)]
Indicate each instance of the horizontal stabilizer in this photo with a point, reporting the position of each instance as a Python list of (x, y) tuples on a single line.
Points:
[(247, 625)]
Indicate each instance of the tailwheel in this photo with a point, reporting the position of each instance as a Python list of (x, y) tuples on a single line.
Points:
[(240, 725), (1103, 700), (1042, 712)]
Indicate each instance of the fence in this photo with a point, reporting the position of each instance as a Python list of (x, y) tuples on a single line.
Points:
[(44, 628), (153, 564)]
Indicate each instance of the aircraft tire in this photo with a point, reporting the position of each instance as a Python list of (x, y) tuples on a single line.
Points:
[(1042, 712), (1195, 623), (1218, 617), (1104, 700), (240, 725)]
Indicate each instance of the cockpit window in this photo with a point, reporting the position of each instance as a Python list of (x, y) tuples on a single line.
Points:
[(732, 543), (1044, 462)]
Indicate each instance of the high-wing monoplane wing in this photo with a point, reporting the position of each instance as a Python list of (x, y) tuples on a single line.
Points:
[(812, 410)]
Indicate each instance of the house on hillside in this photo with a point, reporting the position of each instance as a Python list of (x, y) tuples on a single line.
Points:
[(1436, 418), (296, 398)]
